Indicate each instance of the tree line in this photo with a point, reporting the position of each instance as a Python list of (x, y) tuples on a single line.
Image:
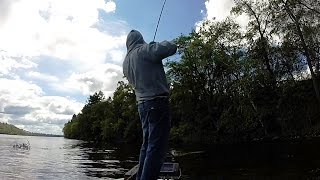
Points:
[(230, 84), (6, 128), (10, 129)]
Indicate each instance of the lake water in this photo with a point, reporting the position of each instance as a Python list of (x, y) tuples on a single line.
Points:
[(56, 158), (59, 158)]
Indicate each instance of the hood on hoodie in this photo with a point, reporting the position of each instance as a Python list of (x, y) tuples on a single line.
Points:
[(134, 38)]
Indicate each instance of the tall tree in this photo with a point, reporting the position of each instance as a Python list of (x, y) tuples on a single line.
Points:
[(300, 20), (258, 31)]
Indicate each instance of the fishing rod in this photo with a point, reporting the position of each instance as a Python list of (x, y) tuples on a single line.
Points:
[(155, 33)]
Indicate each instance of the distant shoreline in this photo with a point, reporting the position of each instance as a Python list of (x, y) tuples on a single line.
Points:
[(10, 129), (34, 134)]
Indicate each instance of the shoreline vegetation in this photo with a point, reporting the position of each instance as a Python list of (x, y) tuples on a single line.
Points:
[(10, 129), (228, 85)]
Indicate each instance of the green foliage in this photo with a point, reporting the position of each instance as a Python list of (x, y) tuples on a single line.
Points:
[(106, 120), (11, 129), (6, 128), (230, 84), (95, 98)]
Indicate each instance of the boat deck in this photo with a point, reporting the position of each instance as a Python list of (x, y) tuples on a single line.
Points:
[(168, 170)]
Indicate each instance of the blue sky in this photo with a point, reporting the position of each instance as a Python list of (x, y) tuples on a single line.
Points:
[(178, 16), (55, 53)]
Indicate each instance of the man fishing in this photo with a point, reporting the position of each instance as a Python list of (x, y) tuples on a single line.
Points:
[(144, 70)]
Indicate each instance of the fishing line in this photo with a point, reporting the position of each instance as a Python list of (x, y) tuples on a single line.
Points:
[(155, 33)]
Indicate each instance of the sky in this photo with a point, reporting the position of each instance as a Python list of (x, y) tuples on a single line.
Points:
[(54, 54)]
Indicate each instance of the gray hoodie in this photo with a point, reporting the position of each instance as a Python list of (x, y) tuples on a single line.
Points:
[(143, 66)]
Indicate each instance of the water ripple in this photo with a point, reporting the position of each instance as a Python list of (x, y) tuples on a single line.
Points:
[(56, 158)]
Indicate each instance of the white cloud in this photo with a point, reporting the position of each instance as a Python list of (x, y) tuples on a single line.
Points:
[(41, 76), (17, 91), (4, 118), (9, 64), (5, 7), (61, 29), (104, 78), (40, 36), (110, 6), (220, 9), (24, 103)]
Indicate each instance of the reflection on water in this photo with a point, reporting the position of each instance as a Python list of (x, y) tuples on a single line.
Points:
[(298, 160), (111, 163), (59, 158)]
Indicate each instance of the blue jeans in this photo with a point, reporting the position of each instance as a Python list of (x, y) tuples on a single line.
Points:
[(155, 121)]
